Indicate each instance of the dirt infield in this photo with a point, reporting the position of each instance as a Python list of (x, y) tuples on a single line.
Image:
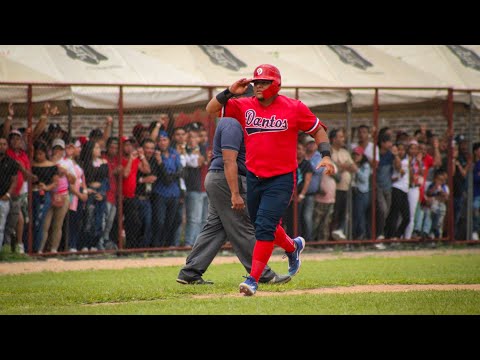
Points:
[(331, 290), (58, 265), (356, 289)]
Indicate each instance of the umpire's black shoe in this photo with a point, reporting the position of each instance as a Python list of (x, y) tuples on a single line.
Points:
[(280, 279), (194, 282)]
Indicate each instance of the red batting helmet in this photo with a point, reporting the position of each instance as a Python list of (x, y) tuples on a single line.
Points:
[(268, 72)]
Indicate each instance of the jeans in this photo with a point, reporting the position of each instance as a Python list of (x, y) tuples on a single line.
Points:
[(145, 215), (438, 212), (476, 214), (340, 211), (308, 206), (413, 196), (459, 205), (384, 202), (75, 226), (361, 204), (423, 220), (131, 222), (109, 219), (94, 221), (40, 207), (166, 220), (194, 203), (4, 210)]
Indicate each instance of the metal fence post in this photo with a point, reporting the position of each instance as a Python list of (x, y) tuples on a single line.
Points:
[(29, 179)]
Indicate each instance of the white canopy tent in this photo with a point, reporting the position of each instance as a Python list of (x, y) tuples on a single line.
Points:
[(221, 65), (457, 65), (91, 65), (362, 66)]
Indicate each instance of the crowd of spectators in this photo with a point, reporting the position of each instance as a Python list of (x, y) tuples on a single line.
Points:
[(75, 186), (411, 185)]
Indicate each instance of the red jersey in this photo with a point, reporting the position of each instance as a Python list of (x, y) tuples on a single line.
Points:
[(271, 132), (22, 158), (112, 179), (130, 182), (427, 164)]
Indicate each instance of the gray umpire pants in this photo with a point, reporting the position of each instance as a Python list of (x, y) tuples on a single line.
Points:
[(223, 224)]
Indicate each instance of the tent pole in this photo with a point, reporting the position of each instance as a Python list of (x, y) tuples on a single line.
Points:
[(451, 218), (349, 146), (120, 178), (69, 109), (29, 179), (374, 172), (470, 173)]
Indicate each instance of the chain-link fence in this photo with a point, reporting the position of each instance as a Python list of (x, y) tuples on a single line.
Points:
[(109, 170)]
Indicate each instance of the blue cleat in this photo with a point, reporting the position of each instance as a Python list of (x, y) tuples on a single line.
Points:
[(249, 286), (294, 261)]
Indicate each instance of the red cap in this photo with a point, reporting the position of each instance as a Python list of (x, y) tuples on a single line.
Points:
[(359, 150), (83, 140)]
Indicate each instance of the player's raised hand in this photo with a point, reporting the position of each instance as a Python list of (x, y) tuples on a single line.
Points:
[(327, 163), (239, 87), (46, 109), (11, 111), (54, 111)]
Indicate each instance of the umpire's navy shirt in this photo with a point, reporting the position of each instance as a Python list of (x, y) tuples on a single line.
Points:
[(229, 136)]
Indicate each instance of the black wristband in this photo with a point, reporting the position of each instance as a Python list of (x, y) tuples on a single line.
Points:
[(324, 149), (223, 97)]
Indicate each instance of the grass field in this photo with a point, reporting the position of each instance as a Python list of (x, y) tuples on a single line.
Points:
[(154, 290)]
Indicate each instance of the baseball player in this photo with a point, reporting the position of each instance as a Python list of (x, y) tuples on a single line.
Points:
[(270, 123), (226, 187)]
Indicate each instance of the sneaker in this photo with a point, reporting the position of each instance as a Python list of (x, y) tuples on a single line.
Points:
[(84, 249), (194, 282), (53, 251), (475, 236), (21, 250), (380, 246), (280, 279), (249, 286), (338, 235), (93, 249), (294, 261), (110, 245), (73, 250)]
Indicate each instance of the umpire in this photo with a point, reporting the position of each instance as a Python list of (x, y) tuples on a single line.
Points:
[(228, 219)]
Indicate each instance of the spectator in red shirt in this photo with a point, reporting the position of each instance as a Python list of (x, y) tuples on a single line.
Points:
[(19, 205), (133, 159)]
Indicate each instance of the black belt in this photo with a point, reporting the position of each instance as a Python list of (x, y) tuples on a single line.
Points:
[(221, 171)]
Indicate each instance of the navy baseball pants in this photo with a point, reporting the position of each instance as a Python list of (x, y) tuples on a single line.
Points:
[(267, 201)]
